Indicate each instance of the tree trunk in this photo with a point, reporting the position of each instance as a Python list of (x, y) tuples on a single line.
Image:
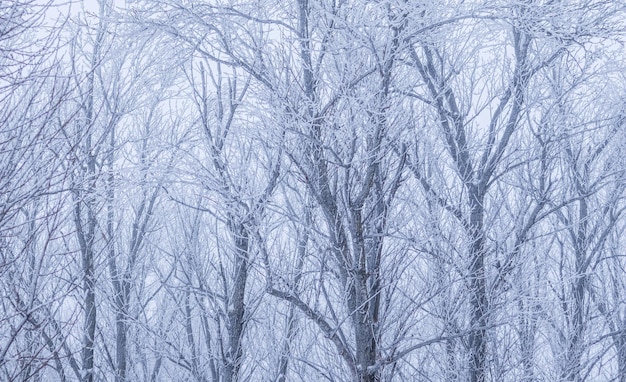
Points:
[(573, 353), (478, 291), (89, 285), (236, 304), (621, 356)]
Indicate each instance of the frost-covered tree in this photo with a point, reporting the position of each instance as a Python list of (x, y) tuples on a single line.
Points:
[(315, 189)]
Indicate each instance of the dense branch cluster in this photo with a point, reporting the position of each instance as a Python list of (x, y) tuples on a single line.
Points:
[(312, 190)]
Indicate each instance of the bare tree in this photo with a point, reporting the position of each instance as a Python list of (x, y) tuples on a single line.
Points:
[(478, 111), (312, 190), (592, 180), (31, 91)]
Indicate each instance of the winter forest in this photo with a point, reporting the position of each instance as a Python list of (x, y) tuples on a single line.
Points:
[(312, 190)]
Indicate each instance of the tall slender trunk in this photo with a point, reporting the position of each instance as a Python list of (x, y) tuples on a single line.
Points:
[(86, 235), (527, 342), (478, 292), (620, 344), (119, 284), (364, 296), (576, 308), (86, 240), (283, 362), (236, 304), (364, 332)]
